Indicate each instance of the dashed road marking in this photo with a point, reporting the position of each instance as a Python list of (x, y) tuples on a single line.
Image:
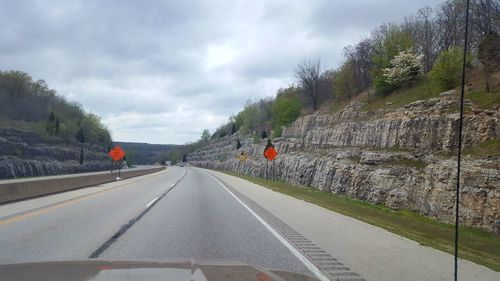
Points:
[(152, 202)]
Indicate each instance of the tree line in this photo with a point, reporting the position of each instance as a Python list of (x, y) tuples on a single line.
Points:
[(425, 46), (33, 102)]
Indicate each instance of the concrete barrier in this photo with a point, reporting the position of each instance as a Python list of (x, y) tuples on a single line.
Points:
[(20, 189)]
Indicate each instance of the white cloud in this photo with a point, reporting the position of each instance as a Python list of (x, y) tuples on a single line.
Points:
[(162, 71)]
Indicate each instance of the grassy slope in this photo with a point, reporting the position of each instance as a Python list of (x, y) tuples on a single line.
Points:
[(423, 89), (475, 245)]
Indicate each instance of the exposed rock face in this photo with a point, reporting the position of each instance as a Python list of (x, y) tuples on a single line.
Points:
[(395, 158), (25, 153)]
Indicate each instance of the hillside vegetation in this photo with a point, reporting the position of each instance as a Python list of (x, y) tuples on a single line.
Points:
[(397, 64), (32, 105), (146, 153)]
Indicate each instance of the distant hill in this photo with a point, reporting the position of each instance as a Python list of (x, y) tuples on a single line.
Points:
[(139, 153), (42, 133)]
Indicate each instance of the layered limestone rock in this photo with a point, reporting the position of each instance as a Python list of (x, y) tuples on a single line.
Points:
[(400, 158), (26, 153)]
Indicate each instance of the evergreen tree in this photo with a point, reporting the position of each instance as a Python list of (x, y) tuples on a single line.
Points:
[(57, 127), (81, 155)]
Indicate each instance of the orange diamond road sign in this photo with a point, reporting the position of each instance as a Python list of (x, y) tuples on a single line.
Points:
[(270, 153), (117, 153)]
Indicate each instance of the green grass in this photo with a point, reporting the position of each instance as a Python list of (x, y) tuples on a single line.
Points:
[(419, 164), (484, 100), (388, 149), (423, 89), (475, 245), (485, 149)]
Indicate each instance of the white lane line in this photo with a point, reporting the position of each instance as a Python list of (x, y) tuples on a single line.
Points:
[(285, 242), (152, 202)]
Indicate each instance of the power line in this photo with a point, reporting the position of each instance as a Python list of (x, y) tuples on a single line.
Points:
[(460, 128)]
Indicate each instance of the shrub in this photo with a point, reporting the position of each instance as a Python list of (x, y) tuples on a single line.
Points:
[(447, 69), (395, 40), (405, 67), (285, 110)]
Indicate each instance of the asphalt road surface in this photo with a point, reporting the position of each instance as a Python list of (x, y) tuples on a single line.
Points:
[(191, 213), (177, 213)]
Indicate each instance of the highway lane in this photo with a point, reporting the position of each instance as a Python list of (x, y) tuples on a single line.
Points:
[(196, 219), (199, 219), (75, 228)]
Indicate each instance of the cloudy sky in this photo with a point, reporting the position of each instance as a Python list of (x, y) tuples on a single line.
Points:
[(162, 71)]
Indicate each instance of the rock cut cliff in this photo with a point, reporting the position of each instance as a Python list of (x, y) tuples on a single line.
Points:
[(28, 154), (400, 158)]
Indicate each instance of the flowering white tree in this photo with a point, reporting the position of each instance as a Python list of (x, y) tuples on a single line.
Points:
[(406, 66)]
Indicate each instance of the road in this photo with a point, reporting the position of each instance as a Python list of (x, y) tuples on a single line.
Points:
[(197, 218), (192, 213)]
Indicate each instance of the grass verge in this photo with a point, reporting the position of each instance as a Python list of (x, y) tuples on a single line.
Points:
[(475, 245), (419, 164), (422, 90), (485, 149), (485, 100)]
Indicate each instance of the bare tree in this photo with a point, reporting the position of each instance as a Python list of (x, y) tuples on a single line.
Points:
[(308, 75), (360, 58), (489, 56), (325, 90), (450, 23), (427, 36), (485, 17)]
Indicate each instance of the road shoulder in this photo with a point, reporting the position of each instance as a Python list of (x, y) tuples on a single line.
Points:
[(369, 250)]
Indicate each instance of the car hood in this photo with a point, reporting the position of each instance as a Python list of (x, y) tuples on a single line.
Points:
[(178, 270)]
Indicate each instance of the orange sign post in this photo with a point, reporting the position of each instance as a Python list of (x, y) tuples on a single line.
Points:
[(270, 153), (117, 154)]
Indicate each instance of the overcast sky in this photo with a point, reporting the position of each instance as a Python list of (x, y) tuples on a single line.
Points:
[(162, 71)]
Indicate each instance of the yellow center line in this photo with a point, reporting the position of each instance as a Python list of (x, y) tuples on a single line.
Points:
[(47, 209)]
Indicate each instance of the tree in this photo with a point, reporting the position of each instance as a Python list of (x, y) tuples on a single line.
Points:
[(450, 15), (81, 155), (233, 128), (308, 74), (80, 136), (423, 29), (389, 41), (286, 109), (205, 135), (360, 60), (57, 127), (255, 117), (344, 82), (485, 18), (447, 69), (405, 67), (51, 116), (489, 55), (21, 98)]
